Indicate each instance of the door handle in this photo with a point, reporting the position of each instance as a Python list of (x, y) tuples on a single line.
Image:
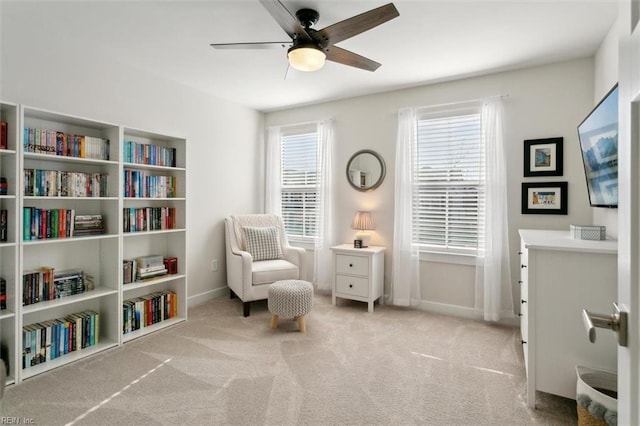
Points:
[(617, 321)]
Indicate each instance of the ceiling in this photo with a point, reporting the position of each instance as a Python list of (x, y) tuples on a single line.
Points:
[(430, 41)]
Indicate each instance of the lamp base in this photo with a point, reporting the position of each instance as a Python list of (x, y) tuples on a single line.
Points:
[(365, 237)]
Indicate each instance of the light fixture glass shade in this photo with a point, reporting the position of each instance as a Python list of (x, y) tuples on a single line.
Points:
[(306, 58)]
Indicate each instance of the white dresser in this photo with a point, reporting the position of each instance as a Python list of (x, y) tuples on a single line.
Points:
[(358, 274), (560, 276)]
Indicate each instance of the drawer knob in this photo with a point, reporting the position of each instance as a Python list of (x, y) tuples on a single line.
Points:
[(351, 265), (350, 285), (519, 315), (524, 342), (523, 301), (520, 253), (520, 282), (523, 266)]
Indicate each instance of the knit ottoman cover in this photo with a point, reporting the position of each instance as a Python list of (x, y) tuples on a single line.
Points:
[(290, 298)]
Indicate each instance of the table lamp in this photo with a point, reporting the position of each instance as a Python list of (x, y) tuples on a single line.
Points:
[(363, 222)]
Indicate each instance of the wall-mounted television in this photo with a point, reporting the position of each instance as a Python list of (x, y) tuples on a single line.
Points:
[(598, 135)]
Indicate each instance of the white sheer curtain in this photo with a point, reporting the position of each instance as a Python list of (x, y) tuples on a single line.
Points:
[(405, 285), (273, 194), (493, 287), (322, 271)]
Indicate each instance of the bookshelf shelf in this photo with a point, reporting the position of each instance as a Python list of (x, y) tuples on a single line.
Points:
[(69, 240), (53, 146), (151, 329), (151, 283), (67, 359), (65, 159), (5, 313), (76, 298)]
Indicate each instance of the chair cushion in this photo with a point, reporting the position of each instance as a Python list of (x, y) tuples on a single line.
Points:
[(262, 243), (268, 271)]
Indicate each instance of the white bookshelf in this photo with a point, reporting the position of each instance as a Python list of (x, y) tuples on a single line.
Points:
[(165, 242), (9, 257), (100, 256)]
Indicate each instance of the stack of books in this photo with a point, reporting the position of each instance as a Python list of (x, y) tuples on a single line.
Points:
[(150, 267), (88, 224)]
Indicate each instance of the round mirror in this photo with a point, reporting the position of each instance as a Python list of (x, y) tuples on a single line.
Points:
[(365, 170)]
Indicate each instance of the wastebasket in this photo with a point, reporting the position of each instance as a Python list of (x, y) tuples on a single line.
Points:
[(596, 397)]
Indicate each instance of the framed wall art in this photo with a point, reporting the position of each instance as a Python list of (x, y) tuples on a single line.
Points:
[(543, 157), (544, 198)]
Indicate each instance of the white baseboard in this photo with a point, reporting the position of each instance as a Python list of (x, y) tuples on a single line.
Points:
[(462, 312), (201, 298)]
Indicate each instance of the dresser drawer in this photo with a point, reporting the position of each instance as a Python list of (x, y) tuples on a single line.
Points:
[(353, 286), (355, 265)]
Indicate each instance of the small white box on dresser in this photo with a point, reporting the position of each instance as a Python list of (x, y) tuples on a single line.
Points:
[(588, 232)]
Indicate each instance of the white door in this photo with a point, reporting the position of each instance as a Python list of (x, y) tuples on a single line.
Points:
[(629, 211)]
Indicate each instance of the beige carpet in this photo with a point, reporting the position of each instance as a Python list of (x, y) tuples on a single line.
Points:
[(391, 367)]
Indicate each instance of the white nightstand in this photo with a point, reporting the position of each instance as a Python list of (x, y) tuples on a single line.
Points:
[(358, 274)]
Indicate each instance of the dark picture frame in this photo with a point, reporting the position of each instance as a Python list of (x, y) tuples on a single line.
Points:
[(545, 198), (543, 157)]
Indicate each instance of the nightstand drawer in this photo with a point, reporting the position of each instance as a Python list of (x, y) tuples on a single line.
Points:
[(355, 265), (352, 286)]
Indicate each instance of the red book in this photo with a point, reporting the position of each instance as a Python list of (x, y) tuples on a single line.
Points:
[(3, 135)]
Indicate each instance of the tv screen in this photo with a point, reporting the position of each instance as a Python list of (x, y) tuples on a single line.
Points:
[(598, 135)]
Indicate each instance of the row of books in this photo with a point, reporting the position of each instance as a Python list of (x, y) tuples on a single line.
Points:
[(4, 186), (143, 153), (48, 340), (147, 310), (143, 185), (3, 293), (41, 224), (139, 219), (52, 142), (58, 183), (47, 284)]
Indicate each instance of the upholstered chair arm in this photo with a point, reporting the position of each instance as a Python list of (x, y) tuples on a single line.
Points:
[(297, 256), (239, 269)]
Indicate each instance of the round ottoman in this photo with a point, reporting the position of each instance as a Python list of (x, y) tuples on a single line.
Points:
[(290, 299)]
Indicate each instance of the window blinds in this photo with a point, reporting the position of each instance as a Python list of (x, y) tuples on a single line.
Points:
[(450, 174), (299, 184)]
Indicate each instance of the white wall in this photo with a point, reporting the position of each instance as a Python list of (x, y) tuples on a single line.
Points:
[(542, 102), (605, 77), (224, 159)]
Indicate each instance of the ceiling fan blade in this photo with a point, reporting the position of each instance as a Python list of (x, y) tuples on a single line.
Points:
[(257, 45), (357, 24), (345, 57), (286, 20)]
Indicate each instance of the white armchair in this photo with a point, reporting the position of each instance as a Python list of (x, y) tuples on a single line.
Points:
[(247, 279)]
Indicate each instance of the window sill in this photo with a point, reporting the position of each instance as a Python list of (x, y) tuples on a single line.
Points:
[(455, 258), (302, 243)]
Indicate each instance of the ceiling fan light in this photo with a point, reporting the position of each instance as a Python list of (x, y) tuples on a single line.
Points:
[(306, 58)]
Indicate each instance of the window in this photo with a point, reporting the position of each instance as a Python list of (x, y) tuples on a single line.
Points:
[(450, 176), (299, 182)]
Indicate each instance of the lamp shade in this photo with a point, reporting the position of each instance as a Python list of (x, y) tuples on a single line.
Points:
[(306, 57), (363, 221)]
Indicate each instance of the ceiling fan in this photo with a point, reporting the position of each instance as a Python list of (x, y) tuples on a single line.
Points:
[(309, 48)]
